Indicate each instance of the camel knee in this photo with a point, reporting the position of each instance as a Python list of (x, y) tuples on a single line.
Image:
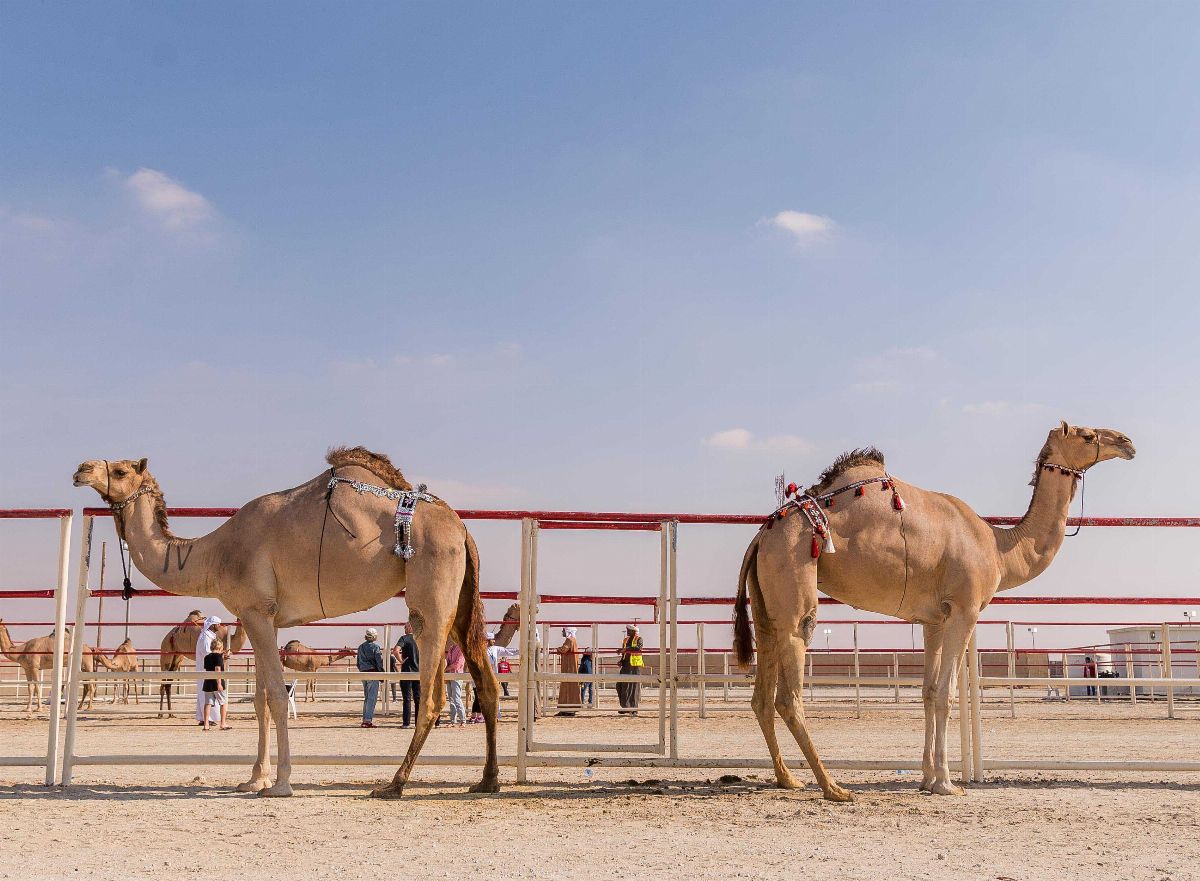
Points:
[(928, 693)]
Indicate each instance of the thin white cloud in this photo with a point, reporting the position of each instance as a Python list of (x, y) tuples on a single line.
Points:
[(744, 439), (805, 228), (168, 201), (893, 369), (919, 353), (1001, 408)]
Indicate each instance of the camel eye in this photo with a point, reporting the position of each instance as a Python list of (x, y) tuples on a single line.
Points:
[(1087, 436), (120, 473)]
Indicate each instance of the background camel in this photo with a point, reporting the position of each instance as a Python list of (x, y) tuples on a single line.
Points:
[(125, 660), (177, 651), (509, 625), (35, 655), (928, 559), (299, 657), (317, 551)]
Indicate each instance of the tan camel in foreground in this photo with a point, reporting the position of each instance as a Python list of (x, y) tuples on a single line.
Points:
[(299, 657), (177, 651), (35, 655), (317, 551), (928, 559)]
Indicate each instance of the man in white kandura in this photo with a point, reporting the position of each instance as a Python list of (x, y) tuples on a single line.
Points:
[(208, 632)]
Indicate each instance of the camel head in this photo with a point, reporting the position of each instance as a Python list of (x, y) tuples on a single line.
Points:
[(1080, 448), (115, 479)]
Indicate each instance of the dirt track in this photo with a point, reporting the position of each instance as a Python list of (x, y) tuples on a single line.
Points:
[(134, 823)]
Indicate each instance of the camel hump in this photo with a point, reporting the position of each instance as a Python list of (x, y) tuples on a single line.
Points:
[(377, 463), (846, 461)]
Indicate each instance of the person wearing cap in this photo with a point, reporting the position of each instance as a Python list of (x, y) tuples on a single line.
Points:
[(204, 647), (569, 698), (405, 653), (630, 693), (370, 660)]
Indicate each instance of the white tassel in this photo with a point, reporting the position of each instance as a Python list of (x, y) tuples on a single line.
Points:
[(828, 549)]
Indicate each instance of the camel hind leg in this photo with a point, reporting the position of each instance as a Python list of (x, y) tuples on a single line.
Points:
[(763, 703), (431, 644), (790, 703), (488, 690)]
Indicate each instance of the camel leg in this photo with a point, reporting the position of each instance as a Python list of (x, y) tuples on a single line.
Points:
[(488, 689), (431, 643), (790, 703), (955, 635), (270, 700), (933, 659), (766, 679)]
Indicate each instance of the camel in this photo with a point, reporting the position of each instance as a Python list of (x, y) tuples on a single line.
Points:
[(329, 547), (177, 651), (509, 625), (922, 556), (124, 659), (297, 656), (35, 655)]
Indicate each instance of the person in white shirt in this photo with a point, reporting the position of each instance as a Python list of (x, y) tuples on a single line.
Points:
[(496, 654), (204, 642)]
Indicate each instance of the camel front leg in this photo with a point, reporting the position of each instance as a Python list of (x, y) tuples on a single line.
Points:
[(956, 634), (431, 644), (790, 704), (932, 634), (270, 685)]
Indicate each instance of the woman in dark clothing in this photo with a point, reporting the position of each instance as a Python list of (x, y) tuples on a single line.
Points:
[(630, 693)]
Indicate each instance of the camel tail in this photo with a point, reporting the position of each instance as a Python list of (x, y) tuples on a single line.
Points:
[(470, 622), (743, 636)]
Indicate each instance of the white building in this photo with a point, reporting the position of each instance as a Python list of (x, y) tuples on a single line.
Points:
[(1137, 653)]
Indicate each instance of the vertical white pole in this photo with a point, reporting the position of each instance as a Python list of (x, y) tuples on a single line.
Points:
[(81, 593), (857, 674), (976, 701), (701, 668), (60, 629), (544, 688), (387, 665), (1066, 668), (896, 675), (1010, 639), (725, 672), (1168, 671), (663, 613), (525, 643), (964, 722), (673, 542), (595, 702), (1129, 673)]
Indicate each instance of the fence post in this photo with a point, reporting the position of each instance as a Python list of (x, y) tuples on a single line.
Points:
[(81, 595), (701, 668), (964, 721), (595, 702), (387, 666), (1010, 638), (896, 674), (673, 542), (1168, 672), (725, 673), (976, 700), (60, 632), (525, 632), (857, 674)]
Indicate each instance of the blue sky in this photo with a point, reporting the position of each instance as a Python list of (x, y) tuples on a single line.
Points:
[(626, 256)]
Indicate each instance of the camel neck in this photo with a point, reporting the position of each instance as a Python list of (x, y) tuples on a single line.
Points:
[(6, 643), (1030, 546), (177, 565)]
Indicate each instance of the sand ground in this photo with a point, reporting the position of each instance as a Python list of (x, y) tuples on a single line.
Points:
[(171, 822)]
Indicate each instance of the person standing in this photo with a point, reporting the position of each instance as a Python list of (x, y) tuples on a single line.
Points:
[(630, 693), (587, 695), (370, 660), (405, 653), (1089, 672), (455, 663), (568, 662), (214, 689), (497, 656), (204, 647)]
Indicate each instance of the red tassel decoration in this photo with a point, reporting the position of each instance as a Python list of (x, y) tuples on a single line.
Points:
[(884, 486), (860, 490), (791, 489), (897, 502), (816, 547)]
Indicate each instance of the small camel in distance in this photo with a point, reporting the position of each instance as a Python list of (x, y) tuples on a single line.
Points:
[(299, 657)]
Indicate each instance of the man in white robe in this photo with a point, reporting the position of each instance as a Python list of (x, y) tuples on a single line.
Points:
[(208, 633)]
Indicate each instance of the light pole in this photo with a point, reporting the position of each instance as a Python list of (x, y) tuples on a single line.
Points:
[(1190, 615), (827, 631), (1033, 636)]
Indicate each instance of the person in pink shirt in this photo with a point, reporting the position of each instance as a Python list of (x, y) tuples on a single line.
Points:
[(455, 663)]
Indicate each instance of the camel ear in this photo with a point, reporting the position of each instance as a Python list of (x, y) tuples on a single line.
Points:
[(140, 467), (1066, 429)]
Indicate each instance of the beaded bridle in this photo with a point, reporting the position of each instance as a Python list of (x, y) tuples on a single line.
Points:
[(810, 506)]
